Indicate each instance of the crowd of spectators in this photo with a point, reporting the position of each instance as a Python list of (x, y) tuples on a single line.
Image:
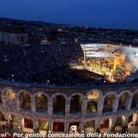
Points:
[(48, 64)]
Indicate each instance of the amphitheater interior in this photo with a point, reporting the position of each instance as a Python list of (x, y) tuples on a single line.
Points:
[(95, 107)]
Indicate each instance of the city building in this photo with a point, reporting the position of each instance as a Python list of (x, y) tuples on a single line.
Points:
[(13, 38)]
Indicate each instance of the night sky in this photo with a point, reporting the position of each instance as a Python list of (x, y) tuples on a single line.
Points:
[(95, 13)]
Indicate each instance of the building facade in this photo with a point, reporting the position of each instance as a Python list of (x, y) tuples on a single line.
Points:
[(13, 38), (56, 109)]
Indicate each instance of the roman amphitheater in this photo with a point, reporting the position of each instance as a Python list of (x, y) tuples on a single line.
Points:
[(110, 107)]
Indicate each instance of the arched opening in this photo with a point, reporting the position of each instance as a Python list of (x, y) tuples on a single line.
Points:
[(2, 121), (25, 101), (123, 101), (43, 126), (2, 118), (92, 107), (135, 101), (132, 119), (14, 121), (93, 98), (108, 103), (74, 128), (59, 104), (90, 126), (105, 125), (41, 103), (76, 102), (11, 121), (28, 125), (120, 123), (10, 98), (132, 123), (58, 126)]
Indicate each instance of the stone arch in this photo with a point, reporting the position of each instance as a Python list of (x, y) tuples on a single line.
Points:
[(123, 100), (97, 90), (2, 116), (76, 102), (120, 123), (41, 102), (89, 126), (127, 91), (93, 98), (62, 94), (40, 92), (21, 91), (25, 100), (58, 126), (74, 94), (74, 127), (3, 120), (105, 125), (112, 92), (43, 125), (27, 124), (132, 119), (108, 102), (59, 101), (9, 96), (135, 100), (12, 120)]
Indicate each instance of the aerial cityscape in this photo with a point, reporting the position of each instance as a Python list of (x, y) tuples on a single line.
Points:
[(63, 79)]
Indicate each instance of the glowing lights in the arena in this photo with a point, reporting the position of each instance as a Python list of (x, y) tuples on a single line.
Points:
[(115, 62)]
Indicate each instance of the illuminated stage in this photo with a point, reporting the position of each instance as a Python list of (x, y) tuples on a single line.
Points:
[(114, 62)]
